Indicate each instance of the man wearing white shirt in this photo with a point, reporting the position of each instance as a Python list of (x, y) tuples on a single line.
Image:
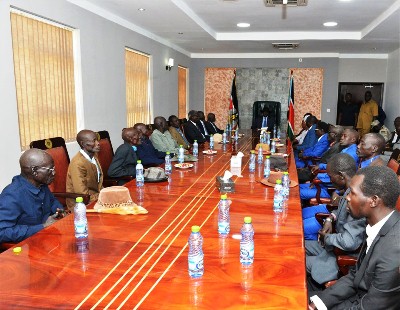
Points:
[(375, 282)]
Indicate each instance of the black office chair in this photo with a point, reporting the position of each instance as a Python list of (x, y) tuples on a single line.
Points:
[(274, 108)]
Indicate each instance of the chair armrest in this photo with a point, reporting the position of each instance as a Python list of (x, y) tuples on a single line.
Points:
[(86, 197), (320, 217)]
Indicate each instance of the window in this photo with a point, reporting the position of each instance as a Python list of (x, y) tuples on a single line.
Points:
[(44, 78), (182, 93), (137, 74)]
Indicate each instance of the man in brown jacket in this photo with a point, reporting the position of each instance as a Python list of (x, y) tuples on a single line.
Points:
[(84, 172)]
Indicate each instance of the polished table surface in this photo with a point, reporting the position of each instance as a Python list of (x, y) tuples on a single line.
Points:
[(141, 261)]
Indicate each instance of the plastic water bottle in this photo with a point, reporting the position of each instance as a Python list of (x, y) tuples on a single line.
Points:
[(260, 157), (139, 174), (274, 131), (80, 220), (267, 167), (168, 165), (195, 148), (181, 154), (252, 163), (224, 138), (237, 134), (262, 138), (196, 255), (273, 147), (278, 133), (247, 242), (278, 197), (268, 138), (223, 216), (285, 185), (211, 142)]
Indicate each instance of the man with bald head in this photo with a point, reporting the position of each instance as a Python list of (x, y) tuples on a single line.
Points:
[(27, 205), (84, 172), (161, 137), (369, 150), (124, 160)]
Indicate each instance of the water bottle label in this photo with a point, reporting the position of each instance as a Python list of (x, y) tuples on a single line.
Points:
[(278, 204), (196, 262), (223, 228), (80, 228), (246, 251)]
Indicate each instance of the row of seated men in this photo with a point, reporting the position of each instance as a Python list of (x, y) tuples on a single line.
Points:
[(365, 216), (27, 205)]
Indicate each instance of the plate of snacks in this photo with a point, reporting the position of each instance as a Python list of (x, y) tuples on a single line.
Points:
[(209, 152), (183, 166)]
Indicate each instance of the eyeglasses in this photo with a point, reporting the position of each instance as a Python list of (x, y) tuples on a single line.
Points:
[(52, 170)]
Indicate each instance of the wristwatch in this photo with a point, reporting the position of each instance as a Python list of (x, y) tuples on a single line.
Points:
[(328, 219)]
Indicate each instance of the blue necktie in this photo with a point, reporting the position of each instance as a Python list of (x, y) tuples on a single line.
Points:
[(264, 123)]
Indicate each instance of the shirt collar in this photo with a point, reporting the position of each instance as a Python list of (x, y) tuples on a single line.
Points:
[(33, 189), (372, 231), (87, 156)]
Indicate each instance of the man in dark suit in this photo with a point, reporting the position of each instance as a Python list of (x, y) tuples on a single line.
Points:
[(265, 120), (202, 125), (375, 282), (210, 125), (191, 129), (124, 160)]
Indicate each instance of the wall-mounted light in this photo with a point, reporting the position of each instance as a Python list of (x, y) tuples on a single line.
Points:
[(170, 64)]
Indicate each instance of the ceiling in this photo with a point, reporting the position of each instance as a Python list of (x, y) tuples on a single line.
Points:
[(200, 28)]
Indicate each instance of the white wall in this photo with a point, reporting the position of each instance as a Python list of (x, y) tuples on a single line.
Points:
[(392, 89), (362, 70), (102, 45)]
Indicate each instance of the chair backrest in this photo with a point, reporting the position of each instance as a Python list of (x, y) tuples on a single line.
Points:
[(274, 108), (58, 151), (395, 166), (106, 153), (395, 155)]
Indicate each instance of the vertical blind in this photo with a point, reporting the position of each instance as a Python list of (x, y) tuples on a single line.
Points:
[(44, 79), (182, 95), (137, 70)]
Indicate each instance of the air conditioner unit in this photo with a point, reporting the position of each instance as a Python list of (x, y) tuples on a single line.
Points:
[(285, 46), (285, 2)]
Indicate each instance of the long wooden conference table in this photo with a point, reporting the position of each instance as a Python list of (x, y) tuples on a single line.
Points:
[(140, 262)]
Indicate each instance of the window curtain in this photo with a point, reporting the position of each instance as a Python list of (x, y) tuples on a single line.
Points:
[(182, 93), (44, 79), (137, 71)]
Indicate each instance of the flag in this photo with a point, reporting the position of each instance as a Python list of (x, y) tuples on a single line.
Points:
[(290, 116), (233, 105)]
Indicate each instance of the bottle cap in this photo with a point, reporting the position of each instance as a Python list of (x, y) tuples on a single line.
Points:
[(267, 156), (139, 161), (182, 145), (167, 153), (17, 250), (195, 229), (211, 135), (286, 172), (79, 199), (252, 151), (247, 219), (224, 196), (278, 181)]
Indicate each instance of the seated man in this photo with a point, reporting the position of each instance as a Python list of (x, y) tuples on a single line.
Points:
[(369, 150), (303, 132), (318, 149), (84, 172), (124, 160), (211, 126), (375, 281), (27, 205), (146, 152), (201, 124), (191, 129), (394, 141), (349, 232), (265, 120), (176, 132), (311, 138), (161, 138)]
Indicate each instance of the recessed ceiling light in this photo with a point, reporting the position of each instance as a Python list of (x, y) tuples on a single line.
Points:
[(141, 9), (243, 25), (330, 24), (180, 32)]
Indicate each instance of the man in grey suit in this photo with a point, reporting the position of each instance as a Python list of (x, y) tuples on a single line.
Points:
[(349, 232), (375, 282)]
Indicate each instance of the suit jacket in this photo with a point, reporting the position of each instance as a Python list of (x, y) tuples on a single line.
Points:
[(212, 128), (375, 283), (257, 124), (123, 162), (177, 137), (309, 140), (192, 132), (202, 127), (333, 150), (348, 237), (319, 148), (148, 154), (82, 178)]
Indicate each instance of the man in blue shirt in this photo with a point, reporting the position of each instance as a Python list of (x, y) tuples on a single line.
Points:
[(27, 205)]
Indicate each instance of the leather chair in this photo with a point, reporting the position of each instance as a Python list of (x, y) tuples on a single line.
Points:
[(58, 151), (105, 157)]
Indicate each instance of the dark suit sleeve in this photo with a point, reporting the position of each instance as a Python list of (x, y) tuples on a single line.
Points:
[(123, 163), (210, 128)]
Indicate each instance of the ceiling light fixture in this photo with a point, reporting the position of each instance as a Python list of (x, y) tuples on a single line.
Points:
[(285, 46), (141, 9), (285, 2), (243, 25), (330, 24)]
